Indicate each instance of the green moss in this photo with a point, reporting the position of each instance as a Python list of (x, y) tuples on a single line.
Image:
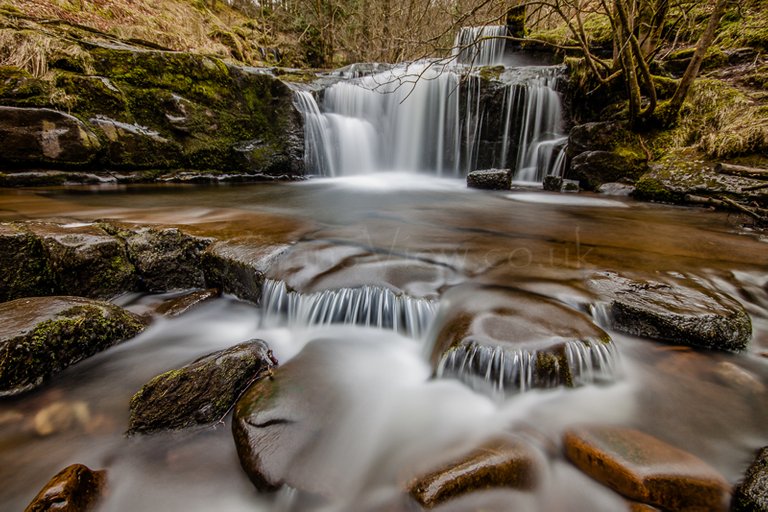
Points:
[(651, 189), (491, 72)]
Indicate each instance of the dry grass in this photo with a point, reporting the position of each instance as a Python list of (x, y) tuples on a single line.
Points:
[(33, 51)]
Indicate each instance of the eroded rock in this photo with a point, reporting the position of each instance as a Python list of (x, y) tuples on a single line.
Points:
[(506, 462), (646, 469), (43, 335), (75, 488), (751, 495), (200, 392), (490, 179), (239, 269), (681, 312)]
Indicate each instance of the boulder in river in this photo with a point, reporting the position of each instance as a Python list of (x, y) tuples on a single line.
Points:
[(646, 469), (75, 488), (751, 495), (506, 462), (503, 340), (682, 312), (490, 179), (24, 263), (43, 335), (201, 392), (239, 269)]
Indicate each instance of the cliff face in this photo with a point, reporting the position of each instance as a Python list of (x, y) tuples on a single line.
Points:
[(95, 103)]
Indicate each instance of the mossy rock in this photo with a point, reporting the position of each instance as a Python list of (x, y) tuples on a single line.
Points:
[(18, 88), (201, 392), (45, 335), (24, 263), (648, 188), (94, 95)]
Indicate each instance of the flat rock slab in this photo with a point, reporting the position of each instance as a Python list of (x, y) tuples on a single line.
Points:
[(41, 336), (75, 488), (239, 268), (490, 179), (183, 303), (500, 339), (682, 312), (751, 495), (507, 462), (201, 392), (646, 469)]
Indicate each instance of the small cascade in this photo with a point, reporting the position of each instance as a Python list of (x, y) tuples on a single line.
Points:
[(369, 306), (503, 370), (480, 46)]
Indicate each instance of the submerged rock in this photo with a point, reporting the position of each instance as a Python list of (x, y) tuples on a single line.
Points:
[(43, 335), (499, 340), (490, 179), (646, 469), (683, 312), (502, 463), (200, 392), (751, 495), (75, 488)]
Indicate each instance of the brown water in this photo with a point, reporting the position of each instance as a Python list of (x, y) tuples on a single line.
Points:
[(421, 236)]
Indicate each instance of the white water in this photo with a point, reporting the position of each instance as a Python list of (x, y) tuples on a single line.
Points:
[(480, 46)]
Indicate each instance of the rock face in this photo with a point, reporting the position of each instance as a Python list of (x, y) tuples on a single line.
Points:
[(201, 392), (507, 462), (751, 495), (44, 136), (490, 179), (239, 270), (167, 259), (684, 313), (604, 152), (501, 340), (646, 469), (75, 488), (41, 336), (24, 263)]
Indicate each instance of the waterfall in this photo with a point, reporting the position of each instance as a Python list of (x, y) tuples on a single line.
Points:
[(501, 370), (480, 46), (369, 306)]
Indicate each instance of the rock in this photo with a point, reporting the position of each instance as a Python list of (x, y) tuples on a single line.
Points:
[(599, 136), (507, 462), (498, 340), (61, 416), (24, 263), (85, 260), (75, 488), (167, 259), (570, 186), (553, 183), (682, 312), (490, 179), (200, 392), (616, 189), (239, 269), (645, 469), (134, 146), (593, 168), (180, 305), (41, 336), (751, 495), (33, 136), (735, 376)]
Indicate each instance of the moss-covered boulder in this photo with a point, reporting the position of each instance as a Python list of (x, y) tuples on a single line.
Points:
[(679, 311), (85, 260), (751, 495), (646, 469), (506, 462), (201, 392), (75, 488), (43, 335), (499, 340), (25, 265), (33, 136), (166, 259)]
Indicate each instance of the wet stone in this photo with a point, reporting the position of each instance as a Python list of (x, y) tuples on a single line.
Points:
[(76, 488), (24, 263), (490, 179), (507, 462), (645, 469), (180, 305), (43, 335), (201, 392), (239, 269), (682, 312), (751, 495), (501, 340)]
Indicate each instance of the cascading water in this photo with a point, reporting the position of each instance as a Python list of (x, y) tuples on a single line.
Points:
[(368, 306), (445, 119)]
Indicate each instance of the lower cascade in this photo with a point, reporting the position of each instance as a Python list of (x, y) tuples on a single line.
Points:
[(440, 118), (368, 306)]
